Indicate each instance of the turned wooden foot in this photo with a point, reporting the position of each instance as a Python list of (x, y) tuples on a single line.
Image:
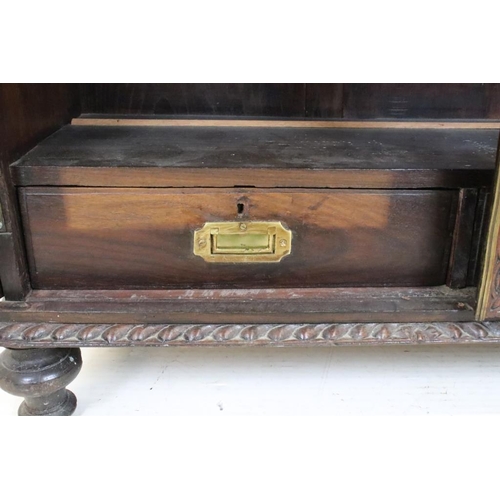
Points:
[(41, 377)]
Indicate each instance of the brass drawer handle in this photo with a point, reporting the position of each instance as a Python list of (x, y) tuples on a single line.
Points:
[(242, 242)]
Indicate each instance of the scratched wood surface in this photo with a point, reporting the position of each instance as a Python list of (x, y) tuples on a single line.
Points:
[(260, 157), (88, 146), (259, 306)]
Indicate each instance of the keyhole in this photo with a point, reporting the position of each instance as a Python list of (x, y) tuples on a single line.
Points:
[(241, 208)]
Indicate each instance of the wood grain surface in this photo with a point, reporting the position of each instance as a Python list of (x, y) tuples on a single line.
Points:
[(100, 240), (460, 270), (143, 238), (251, 177), (28, 113)]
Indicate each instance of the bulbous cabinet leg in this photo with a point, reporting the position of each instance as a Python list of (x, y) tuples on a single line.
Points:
[(41, 377)]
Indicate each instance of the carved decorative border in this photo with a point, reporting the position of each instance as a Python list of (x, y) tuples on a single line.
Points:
[(100, 335)]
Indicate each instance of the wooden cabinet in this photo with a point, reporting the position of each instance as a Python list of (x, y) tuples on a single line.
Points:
[(391, 223)]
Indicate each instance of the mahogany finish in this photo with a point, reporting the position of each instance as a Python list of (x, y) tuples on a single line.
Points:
[(388, 223), (28, 113), (250, 177), (138, 238)]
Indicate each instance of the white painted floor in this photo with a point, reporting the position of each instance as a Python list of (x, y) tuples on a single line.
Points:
[(435, 380)]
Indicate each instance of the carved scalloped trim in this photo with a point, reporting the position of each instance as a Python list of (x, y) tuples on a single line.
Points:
[(81, 335)]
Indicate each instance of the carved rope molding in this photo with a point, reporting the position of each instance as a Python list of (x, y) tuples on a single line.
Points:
[(101, 335)]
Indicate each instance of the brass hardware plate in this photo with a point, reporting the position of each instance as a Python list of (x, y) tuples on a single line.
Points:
[(242, 242)]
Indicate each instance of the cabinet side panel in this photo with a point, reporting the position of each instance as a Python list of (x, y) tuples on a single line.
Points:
[(29, 112)]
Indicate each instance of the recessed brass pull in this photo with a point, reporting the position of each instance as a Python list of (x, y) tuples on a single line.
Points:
[(242, 242)]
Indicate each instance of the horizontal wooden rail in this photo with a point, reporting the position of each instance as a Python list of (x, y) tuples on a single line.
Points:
[(361, 124)]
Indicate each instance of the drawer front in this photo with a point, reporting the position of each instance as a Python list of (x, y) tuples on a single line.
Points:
[(85, 238)]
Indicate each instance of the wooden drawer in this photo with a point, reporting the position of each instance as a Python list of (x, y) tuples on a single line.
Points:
[(143, 238), (112, 238)]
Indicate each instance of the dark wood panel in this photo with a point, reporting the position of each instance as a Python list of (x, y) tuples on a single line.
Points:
[(420, 100), (137, 238), (324, 100), (479, 237), (29, 112), (13, 270), (248, 147), (493, 95), (462, 240), (240, 306), (245, 99)]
